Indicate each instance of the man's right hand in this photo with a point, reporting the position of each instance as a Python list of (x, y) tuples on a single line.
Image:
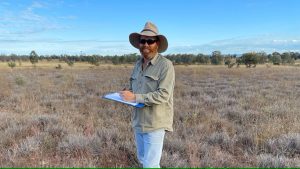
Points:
[(127, 95)]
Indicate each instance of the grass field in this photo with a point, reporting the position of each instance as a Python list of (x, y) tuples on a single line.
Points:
[(49, 64), (223, 117)]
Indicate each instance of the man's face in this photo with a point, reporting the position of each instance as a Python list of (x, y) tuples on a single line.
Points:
[(148, 46)]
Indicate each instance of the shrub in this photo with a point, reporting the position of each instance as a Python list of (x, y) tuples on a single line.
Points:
[(219, 138), (58, 66), (19, 81), (173, 160), (76, 146), (288, 144), (28, 145), (246, 142), (11, 64), (269, 161), (70, 63), (229, 62)]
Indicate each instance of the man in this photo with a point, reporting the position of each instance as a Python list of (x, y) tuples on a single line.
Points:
[(152, 83)]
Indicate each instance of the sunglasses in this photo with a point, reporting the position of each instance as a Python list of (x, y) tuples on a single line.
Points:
[(149, 41)]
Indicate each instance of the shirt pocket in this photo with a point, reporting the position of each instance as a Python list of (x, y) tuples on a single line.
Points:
[(151, 83)]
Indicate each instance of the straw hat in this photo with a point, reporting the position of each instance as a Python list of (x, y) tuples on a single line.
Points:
[(149, 30)]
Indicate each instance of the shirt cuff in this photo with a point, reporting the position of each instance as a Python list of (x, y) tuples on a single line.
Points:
[(139, 98)]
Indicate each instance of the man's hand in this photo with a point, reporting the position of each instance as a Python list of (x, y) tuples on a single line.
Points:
[(127, 96)]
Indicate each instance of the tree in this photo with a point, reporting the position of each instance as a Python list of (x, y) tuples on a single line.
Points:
[(239, 61), (295, 55), (276, 58), (286, 58), (216, 58), (250, 59), (262, 57), (93, 60), (33, 57), (202, 59), (229, 61), (131, 58), (187, 59), (115, 60)]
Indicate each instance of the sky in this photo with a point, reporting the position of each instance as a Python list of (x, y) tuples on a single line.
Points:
[(191, 26)]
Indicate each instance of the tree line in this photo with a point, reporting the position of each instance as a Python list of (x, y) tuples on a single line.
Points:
[(215, 58)]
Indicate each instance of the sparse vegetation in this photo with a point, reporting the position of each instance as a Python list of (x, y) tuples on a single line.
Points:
[(11, 64), (70, 63), (223, 118), (19, 81), (58, 66)]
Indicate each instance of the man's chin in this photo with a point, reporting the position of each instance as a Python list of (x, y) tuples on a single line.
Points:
[(146, 54)]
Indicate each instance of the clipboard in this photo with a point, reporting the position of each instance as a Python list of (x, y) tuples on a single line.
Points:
[(116, 97)]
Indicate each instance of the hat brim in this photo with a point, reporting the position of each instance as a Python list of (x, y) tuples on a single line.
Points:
[(134, 39)]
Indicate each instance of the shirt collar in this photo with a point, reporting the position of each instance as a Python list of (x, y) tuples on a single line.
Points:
[(152, 61)]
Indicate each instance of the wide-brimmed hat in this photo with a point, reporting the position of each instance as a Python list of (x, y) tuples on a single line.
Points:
[(149, 30)]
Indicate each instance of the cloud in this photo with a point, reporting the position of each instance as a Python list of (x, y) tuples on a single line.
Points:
[(26, 21), (29, 14), (242, 45), (226, 46), (56, 46)]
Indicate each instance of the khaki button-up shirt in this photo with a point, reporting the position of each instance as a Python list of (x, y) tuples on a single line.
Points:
[(154, 87)]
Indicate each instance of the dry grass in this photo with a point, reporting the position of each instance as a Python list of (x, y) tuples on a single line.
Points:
[(223, 118), (44, 64)]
